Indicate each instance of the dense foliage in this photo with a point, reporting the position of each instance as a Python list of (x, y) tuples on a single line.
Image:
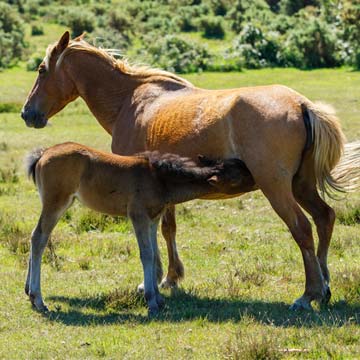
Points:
[(193, 35), (11, 36)]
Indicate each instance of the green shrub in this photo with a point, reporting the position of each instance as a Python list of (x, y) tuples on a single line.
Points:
[(350, 16), (311, 44), (37, 30), (119, 21), (176, 54), (111, 39), (78, 20), (219, 7), (11, 36), (255, 48), (34, 62), (212, 27), (290, 7)]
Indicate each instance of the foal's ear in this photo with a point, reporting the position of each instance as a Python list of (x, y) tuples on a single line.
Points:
[(63, 42)]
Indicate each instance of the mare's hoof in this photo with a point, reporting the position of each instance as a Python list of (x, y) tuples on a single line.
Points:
[(153, 311), (140, 289), (160, 301), (300, 304), (168, 284), (327, 296)]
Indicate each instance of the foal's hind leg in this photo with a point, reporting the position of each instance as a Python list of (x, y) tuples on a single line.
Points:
[(324, 217), (283, 202), (176, 268), (153, 235)]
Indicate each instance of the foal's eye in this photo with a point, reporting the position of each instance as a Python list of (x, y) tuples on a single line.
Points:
[(42, 70)]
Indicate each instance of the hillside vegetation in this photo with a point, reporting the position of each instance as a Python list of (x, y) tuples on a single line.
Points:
[(193, 35)]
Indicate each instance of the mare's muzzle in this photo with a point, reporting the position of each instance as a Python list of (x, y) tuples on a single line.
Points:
[(33, 118)]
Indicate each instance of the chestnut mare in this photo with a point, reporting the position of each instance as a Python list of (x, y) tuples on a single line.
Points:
[(289, 144), (139, 186)]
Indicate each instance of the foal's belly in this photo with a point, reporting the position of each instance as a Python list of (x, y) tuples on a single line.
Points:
[(112, 203)]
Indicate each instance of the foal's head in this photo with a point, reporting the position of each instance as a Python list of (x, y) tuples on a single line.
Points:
[(53, 89)]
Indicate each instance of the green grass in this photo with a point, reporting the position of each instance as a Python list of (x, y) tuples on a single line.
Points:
[(243, 269)]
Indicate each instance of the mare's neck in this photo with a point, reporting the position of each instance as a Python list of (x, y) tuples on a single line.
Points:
[(110, 93), (104, 89)]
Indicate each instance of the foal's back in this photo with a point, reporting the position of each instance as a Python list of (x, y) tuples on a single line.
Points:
[(102, 181)]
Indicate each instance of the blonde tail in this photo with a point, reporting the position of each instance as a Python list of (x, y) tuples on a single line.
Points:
[(329, 142), (347, 171)]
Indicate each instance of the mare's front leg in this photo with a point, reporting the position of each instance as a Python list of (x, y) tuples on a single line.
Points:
[(175, 268), (142, 227)]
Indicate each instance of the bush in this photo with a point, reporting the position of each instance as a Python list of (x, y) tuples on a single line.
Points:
[(110, 39), (78, 21), (290, 7), (37, 30), (119, 21), (11, 36), (255, 48), (311, 44), (176, 54), (34, 62), (219, 7), (212, 27), (350, 16)]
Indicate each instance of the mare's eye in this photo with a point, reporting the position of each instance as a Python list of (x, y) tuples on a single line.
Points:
[(42, 70)]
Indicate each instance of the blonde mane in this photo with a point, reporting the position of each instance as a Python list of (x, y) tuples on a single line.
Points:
[(108, 55)]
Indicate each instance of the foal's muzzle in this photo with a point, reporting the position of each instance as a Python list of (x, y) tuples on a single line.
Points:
[(33, 118)]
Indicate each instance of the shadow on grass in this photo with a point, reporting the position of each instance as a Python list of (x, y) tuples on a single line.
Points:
[(184, 306)]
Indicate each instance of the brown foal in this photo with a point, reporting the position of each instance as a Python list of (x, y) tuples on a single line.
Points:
[(137, 186)]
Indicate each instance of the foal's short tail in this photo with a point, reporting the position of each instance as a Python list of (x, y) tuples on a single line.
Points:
[(328, 141), (31, 160)]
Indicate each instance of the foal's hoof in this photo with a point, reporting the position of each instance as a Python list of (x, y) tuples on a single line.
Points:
[(38, 304), (167, 283), (27, 289), (300, 304)]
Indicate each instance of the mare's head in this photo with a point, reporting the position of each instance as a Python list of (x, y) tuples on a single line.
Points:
[(52, 90)]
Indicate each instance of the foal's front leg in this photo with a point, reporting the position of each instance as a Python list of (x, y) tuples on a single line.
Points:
[(142, 227), (39, 239)]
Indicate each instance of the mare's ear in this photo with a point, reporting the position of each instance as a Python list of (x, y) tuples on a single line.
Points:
[(63, 42), (80, 37)]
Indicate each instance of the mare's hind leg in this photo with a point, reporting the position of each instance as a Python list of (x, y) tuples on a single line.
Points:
[(283, 202), (176, 268), (40, 236), (324, 217)]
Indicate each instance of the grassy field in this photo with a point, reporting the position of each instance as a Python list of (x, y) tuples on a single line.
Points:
[(243, 269)]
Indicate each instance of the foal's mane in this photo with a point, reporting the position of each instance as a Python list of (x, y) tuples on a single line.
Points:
[(108, 55)]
